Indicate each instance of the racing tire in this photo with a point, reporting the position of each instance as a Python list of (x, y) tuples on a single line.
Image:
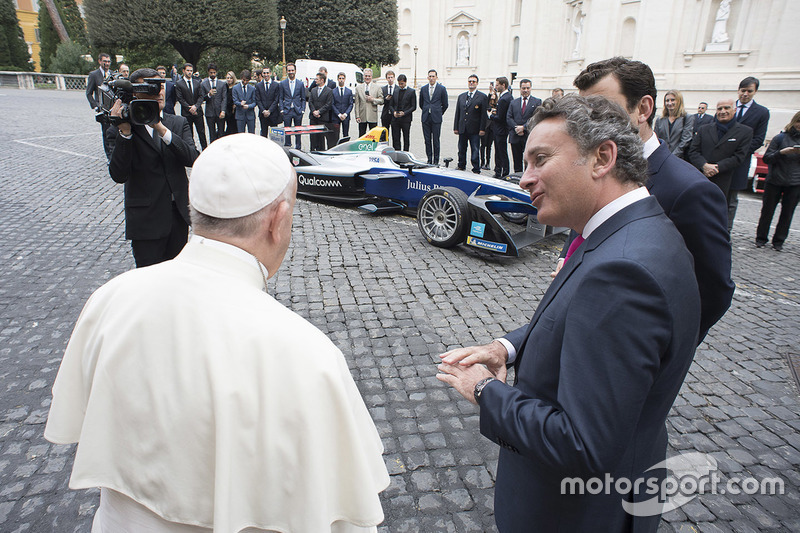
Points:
[(443, 217), (515, 218)]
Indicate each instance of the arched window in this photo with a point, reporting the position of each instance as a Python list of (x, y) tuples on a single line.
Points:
[(515, 51), (517, 11), (405, 21), (627, 40)]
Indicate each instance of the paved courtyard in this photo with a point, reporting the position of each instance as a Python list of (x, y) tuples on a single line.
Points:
[(392, 303)]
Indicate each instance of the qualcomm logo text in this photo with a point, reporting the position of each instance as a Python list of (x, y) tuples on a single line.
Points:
[(315, 182), (688, 475)]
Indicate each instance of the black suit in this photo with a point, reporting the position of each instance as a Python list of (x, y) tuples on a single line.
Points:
[(156, 188), (470, 122), (267, 100), (188, 98), (516, 118), (757, 118), (727, 152), (388, 107), (500, 131), (322, 102), (701, 120), (405, 100), (95, 80)]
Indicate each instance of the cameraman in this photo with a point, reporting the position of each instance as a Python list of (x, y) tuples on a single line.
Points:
[(150, 161)]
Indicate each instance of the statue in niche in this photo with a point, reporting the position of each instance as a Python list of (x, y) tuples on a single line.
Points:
[(578, 29), (462, 57), (720, 33)]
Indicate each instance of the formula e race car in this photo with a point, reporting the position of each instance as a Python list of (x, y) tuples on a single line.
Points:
[(452, 207)]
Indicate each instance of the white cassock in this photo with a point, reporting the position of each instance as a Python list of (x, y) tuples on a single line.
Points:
[(194, 393)]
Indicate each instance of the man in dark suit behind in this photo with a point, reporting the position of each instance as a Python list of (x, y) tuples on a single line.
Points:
[(404, 104), (519, 113), (187, 90), (388, 91), (267, 98), (93, 82), (695, 205), (604, 356), (320, 103), (470, 124), (214, 94), (756, 116), (498, 118), (701, 118), (342, 106), (719, 147), (151, 162), (169, 90), (432, 103)]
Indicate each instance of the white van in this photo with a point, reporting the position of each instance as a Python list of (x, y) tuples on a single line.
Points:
[(307, 69)]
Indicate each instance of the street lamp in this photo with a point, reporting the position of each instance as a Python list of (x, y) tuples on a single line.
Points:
[(283, 45), (416, 49)]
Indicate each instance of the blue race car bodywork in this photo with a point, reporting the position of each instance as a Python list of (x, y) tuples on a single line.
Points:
[(452, 206)]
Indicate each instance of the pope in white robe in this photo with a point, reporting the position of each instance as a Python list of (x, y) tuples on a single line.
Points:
[(200, 403)]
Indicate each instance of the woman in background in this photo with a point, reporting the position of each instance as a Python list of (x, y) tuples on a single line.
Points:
[(674, 126), (230, 118), (782, 185)]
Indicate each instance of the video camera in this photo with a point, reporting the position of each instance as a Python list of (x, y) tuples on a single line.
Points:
[(139, 112)]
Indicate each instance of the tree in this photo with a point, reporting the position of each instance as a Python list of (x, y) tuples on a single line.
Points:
[(69, 59), (353, 31), (71, 17), (14, 53), (190, 26)]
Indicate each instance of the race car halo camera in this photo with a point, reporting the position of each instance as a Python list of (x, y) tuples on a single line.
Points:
[(136, 111)]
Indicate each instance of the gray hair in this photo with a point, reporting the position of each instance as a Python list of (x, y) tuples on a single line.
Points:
[(592, 120), (240, 227)]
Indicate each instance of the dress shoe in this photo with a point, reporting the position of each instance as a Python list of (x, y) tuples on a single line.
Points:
[(760, 244), (777, 247)]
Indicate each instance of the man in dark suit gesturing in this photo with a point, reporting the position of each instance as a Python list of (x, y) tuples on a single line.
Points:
[(433, 103), (470, 124), (151, 161), (93, 83), (606, 352), (519, 113), (756, 116), (720, 147), (694, 204), (187, 90), (214, 93)]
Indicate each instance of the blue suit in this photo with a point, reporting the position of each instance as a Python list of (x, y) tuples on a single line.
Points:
[(757, 118), (432, 115), (292, 105), (169, 97), (342, 105), (598, 369), (245, 117)]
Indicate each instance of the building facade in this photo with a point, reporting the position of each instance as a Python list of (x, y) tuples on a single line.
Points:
[(702, 48), (28, 15)]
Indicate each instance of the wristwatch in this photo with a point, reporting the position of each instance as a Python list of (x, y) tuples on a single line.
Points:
[(479, 388)]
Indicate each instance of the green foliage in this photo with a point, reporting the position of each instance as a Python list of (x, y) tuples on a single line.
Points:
[(71, 17), (190, 26), (13, 49), (226, 59), (151, 56), (353, 31), (69, 59)]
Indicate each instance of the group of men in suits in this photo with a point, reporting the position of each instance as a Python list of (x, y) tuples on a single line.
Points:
[(601, 362)]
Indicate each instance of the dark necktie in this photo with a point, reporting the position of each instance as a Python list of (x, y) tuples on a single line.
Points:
[(189, 83), (741, 112), (341, 92), (524, 105)]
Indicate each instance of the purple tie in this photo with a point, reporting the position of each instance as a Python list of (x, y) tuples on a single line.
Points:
[(572, 247)]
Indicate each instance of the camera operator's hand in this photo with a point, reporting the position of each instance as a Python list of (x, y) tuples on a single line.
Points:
[(160, 128), (116, 111)]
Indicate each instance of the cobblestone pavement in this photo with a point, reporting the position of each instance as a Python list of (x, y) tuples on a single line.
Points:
[(392, 303)]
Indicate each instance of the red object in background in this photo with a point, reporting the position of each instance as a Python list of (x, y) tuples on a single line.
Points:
[(758, 173)]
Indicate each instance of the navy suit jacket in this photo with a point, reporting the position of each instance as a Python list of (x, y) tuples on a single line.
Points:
[(472, 119), (514, 118), (269, 101), (342, 105), (699, 210), (433, 109), (598, 369), (500, 119), (757, 117), (292, 105), (247, 94), (169, 97)]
